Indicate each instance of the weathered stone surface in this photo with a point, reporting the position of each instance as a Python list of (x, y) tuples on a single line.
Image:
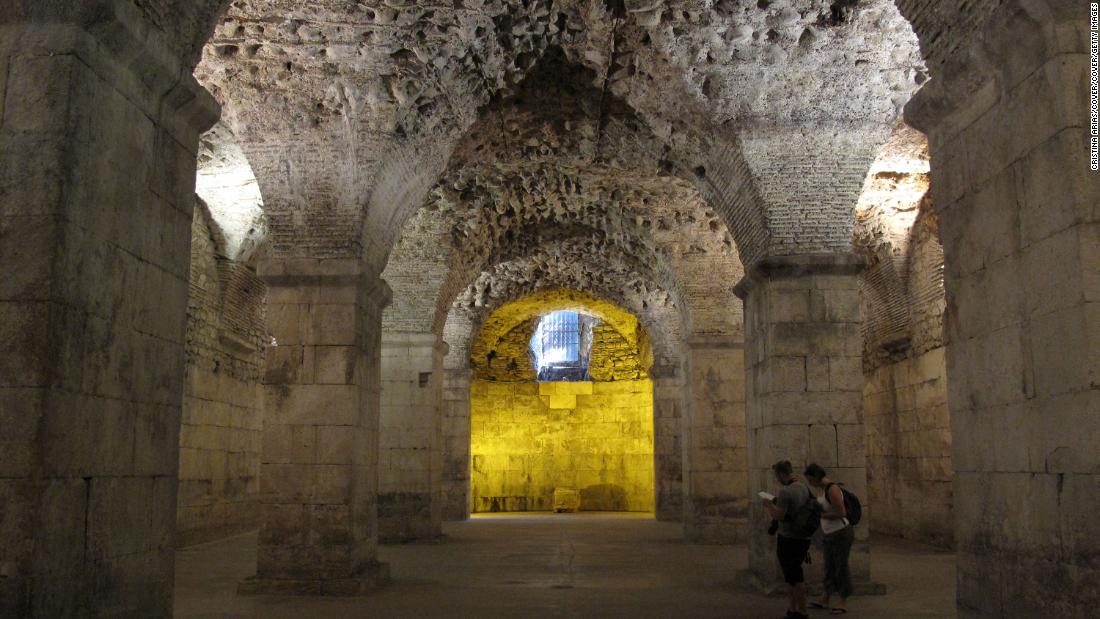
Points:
[(410, 495), (786, 418), (220, 435), (481, 151), (715, 451), (97, 157), (1020, 372), (319, 464)]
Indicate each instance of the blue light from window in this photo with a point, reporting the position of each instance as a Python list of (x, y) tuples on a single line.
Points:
[(557, 339)]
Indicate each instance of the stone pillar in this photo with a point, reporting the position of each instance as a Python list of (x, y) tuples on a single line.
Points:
[(803, 357), (456, 444), (669, 404), (1008, 128), (97, 177), (410, 496), (319, 460), (715, 456)]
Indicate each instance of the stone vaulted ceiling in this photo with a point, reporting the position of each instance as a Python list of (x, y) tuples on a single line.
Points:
[(455, 141), (350, 111), (561, 165)]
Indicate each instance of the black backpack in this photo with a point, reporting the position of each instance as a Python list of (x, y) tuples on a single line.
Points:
[(807, 518), (852, 506)]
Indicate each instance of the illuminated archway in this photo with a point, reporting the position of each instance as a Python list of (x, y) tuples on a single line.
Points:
[(561, 445)]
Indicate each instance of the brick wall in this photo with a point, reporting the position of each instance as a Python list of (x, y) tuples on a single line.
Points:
[(222, 414)]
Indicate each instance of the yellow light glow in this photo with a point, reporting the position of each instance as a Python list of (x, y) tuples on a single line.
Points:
[(592, 440), (528, 439)]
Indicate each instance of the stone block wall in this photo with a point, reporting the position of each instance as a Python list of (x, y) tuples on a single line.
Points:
[(410, 456), (804, 389), (614, 358), (670, 406), (222, 414), (715, 448), (97, 171), (529, 438), (319, 464), (1021, 238), (908, 428), (909, 467), (456, 444), (510, 358)]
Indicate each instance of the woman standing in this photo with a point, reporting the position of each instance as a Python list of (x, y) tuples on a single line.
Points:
[(839, 536)]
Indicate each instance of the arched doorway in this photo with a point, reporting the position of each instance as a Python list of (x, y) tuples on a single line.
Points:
[(561, 408)]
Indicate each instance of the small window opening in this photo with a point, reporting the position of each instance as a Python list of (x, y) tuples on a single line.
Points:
[(561, 346)]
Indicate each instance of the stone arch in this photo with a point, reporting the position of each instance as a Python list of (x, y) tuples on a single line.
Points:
[(500, 323), (703, 145), (228, 188), (617, 279), (618, 138), (667, 226), (533, 300), (487, 160), (894, 196)]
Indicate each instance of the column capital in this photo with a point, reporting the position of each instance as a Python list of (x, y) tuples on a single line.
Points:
[(115, 40), (779, 267), (1016, 40), (317, 275)]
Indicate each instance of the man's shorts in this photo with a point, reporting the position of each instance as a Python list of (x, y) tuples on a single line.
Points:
[(791, 553)]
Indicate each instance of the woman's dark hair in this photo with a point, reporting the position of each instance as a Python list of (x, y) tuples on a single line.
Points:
[(814, 471), (783, 467)]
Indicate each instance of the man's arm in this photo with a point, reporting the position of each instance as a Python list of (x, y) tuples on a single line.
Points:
[(776, 511)]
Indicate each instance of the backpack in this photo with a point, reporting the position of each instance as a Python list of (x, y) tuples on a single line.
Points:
[(852, 506), (807, 518)]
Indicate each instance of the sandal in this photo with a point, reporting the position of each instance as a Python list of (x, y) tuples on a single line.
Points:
[(818, 606)]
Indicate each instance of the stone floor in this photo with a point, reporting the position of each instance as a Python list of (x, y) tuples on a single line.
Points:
[(557, 566)]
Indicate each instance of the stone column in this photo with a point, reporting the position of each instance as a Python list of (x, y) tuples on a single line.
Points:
[(456, 443), (97, 177), (715, 456), (669, 404), (319, 460), (410, 497), (1008, 127), (803, 357)]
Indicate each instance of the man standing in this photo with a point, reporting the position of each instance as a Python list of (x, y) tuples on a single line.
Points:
[(791, 544)]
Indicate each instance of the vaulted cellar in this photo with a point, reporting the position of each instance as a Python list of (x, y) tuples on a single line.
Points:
[(488, 307)]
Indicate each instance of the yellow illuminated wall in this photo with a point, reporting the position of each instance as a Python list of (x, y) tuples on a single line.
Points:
[(529, 438)]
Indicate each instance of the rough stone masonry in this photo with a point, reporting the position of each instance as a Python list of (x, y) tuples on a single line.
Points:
[(896, 189)]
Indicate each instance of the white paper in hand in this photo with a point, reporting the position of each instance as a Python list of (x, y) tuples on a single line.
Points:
[(767, 496)]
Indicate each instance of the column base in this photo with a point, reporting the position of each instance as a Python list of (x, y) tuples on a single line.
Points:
[(406, 517), (748, 580), (369, 579)]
